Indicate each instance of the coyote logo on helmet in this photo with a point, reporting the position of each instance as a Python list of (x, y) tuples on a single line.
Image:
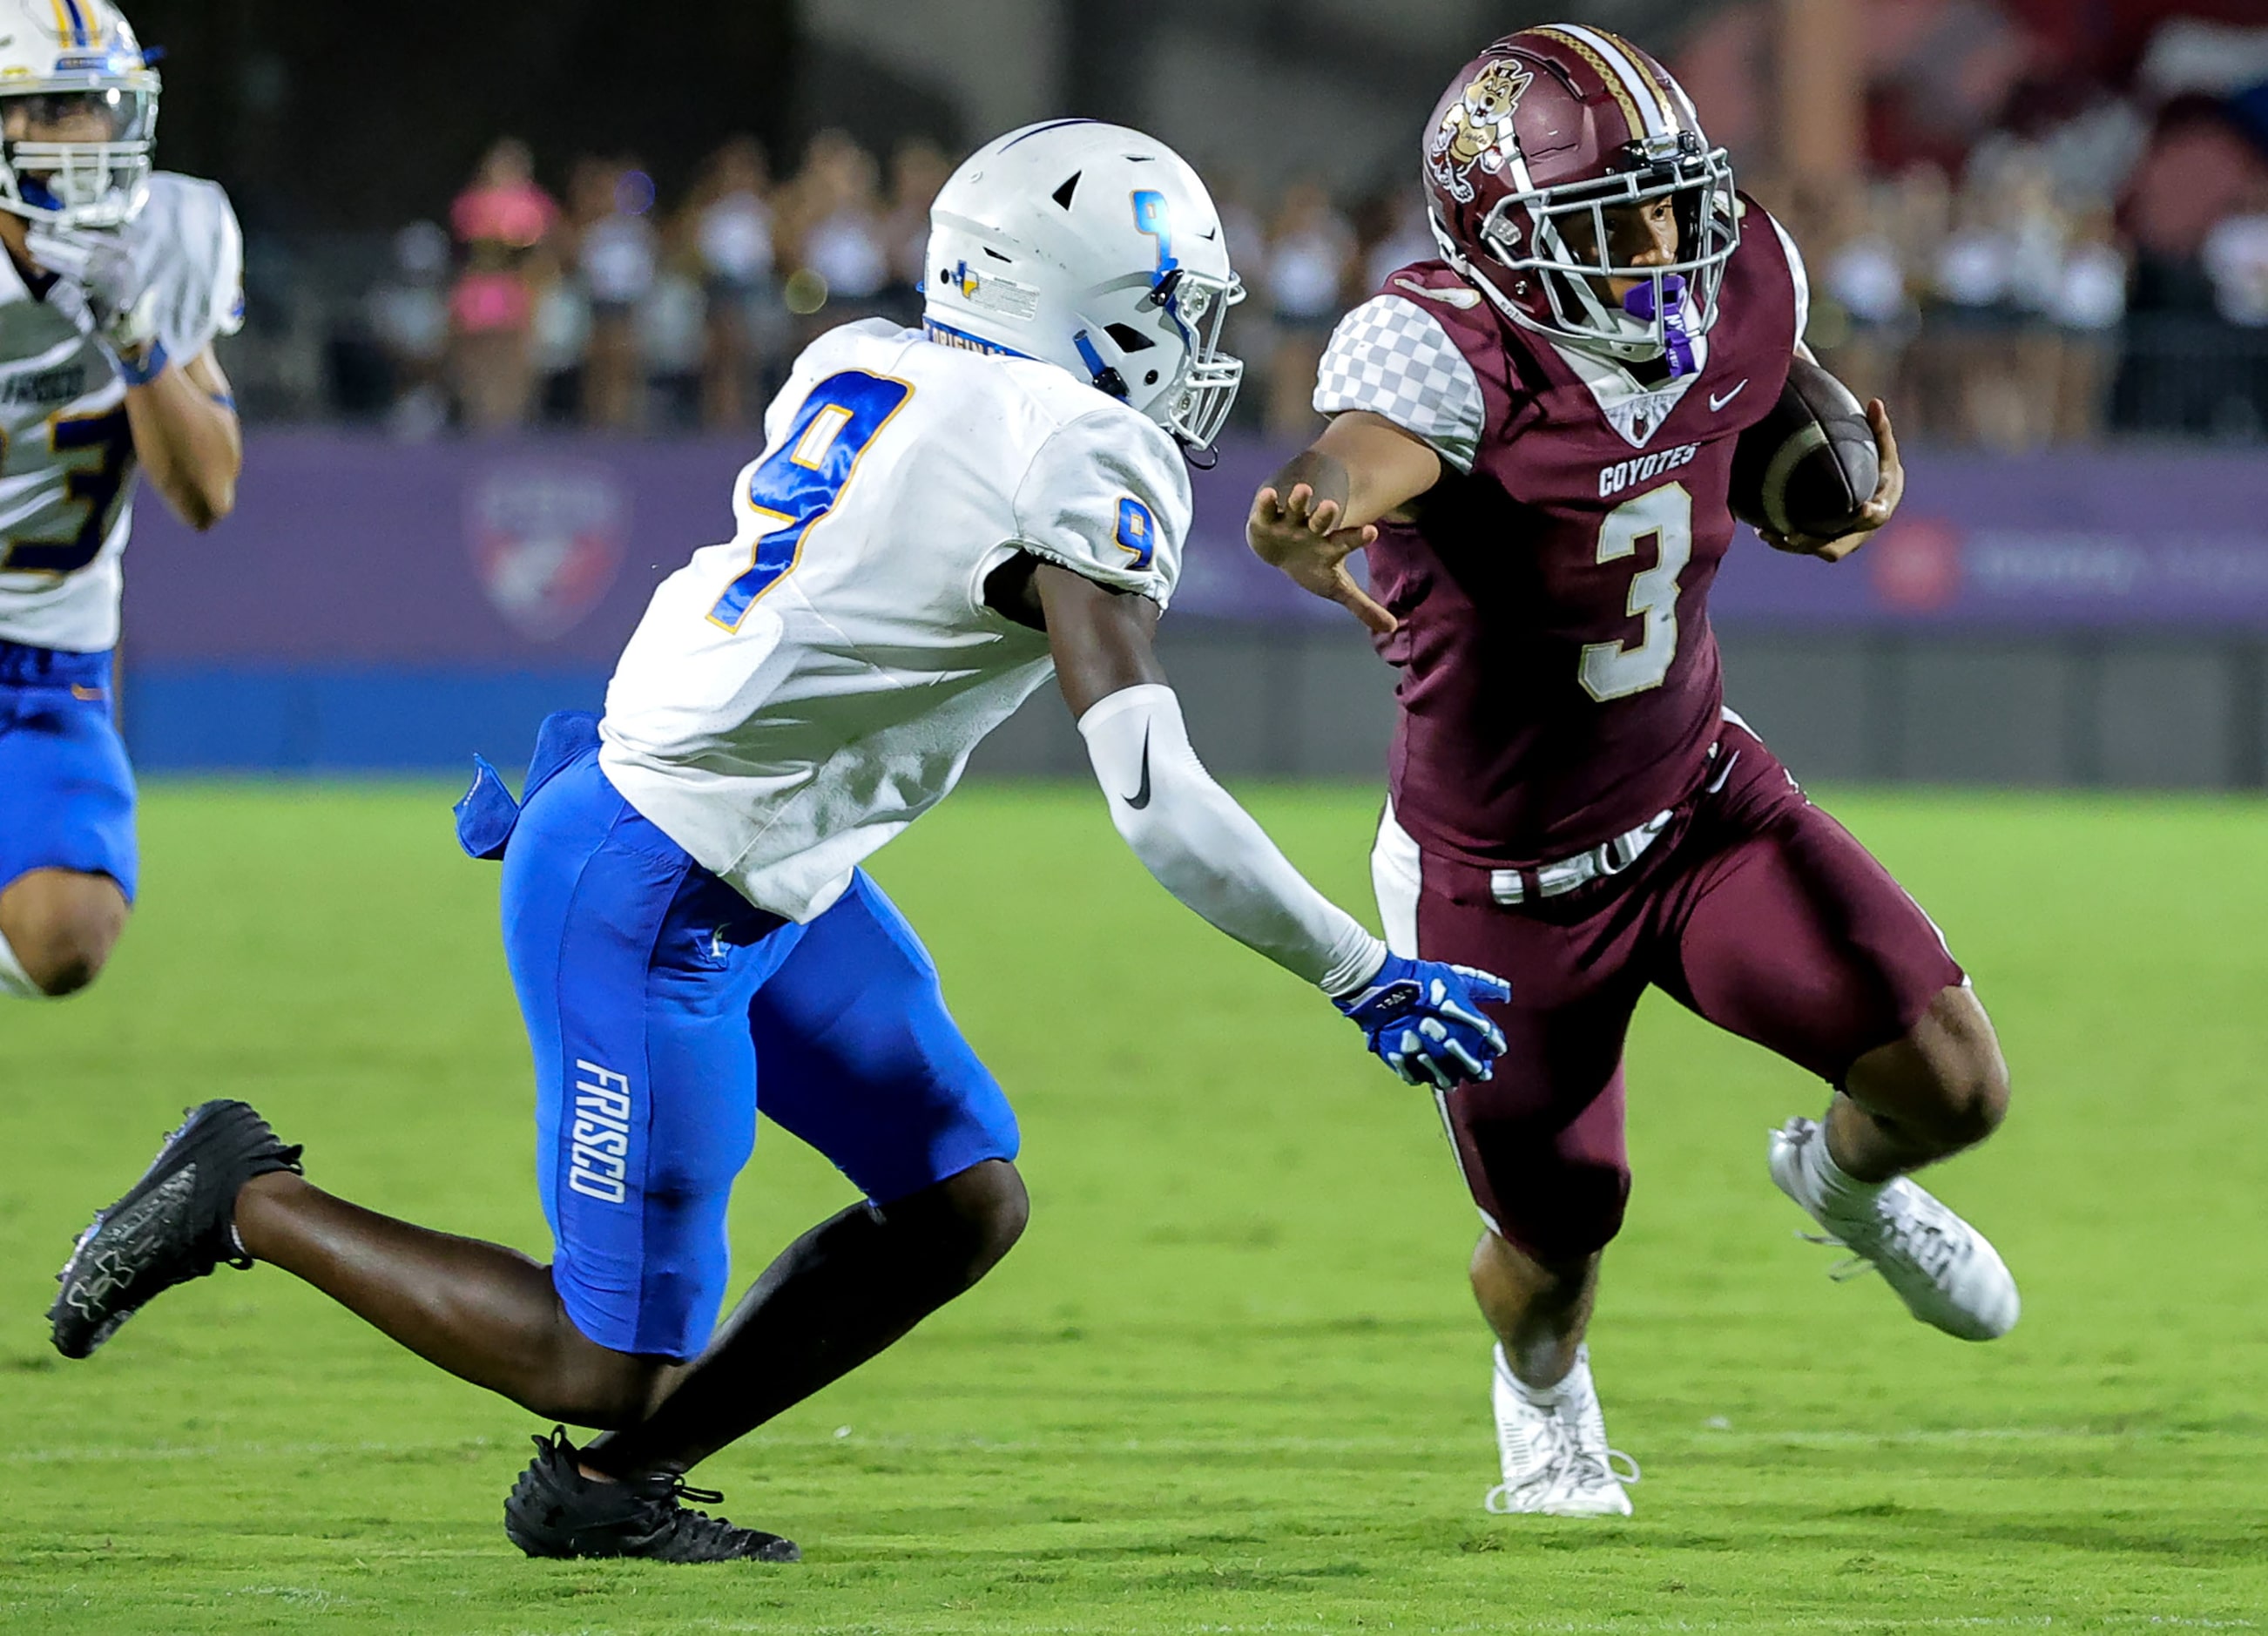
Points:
[(1477, 129)]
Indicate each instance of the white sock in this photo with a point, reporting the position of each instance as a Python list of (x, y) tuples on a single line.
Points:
[(1836, 1185), (1544, 1397), (15, 982)]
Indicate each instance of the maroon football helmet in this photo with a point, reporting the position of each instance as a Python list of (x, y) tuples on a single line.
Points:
[(1563, 122)]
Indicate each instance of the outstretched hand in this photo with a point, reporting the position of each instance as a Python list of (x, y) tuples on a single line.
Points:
[(1422, 1019), (1889, 489), (1301, 535)]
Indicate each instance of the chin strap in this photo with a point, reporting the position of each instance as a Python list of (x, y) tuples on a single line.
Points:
[(1106, 379)]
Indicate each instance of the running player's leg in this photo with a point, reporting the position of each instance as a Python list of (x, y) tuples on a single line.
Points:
[(634, 970), (1540, 1143), (1540, 1146), (68, 860), (57, 928), (1794, 936), (858, 1056), (1938, 1089)]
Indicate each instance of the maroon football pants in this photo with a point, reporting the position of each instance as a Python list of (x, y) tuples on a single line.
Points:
[(1752, 909)]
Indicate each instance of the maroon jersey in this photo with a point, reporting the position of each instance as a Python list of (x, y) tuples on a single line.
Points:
[(1559, 680)]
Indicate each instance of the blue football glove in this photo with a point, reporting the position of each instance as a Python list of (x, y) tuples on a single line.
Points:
[(1423, 1019)]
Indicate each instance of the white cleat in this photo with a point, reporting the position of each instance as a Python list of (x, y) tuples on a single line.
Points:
[(1946, 1271), (1554, 1448)]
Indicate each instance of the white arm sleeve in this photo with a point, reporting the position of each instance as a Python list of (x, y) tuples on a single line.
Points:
[(1206, 849)]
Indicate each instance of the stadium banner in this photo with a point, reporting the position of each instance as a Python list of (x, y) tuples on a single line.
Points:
[(370, 599), (542, 552), (2075, 539)]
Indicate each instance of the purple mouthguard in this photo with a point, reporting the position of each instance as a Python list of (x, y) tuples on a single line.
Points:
[(1676, 344)]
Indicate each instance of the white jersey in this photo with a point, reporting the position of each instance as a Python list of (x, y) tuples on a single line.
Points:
[(66, 451), (795, 698)]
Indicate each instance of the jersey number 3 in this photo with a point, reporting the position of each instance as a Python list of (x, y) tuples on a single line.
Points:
[(1612, 670), (799, 482), (99, 485)]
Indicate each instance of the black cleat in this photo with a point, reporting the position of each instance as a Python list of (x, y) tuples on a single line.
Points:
[(176, 1224), (554, 1511)]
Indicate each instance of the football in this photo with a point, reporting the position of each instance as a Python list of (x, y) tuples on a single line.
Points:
[(1808, 465)]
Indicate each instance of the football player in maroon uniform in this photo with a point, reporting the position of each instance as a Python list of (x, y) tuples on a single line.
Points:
[(1533, 435)]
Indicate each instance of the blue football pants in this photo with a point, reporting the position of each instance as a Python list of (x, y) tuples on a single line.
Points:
[(664, 1011), (66, 792)]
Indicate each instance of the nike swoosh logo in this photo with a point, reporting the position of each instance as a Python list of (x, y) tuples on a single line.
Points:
[(1209, 234), (1141, 797), (1465, 299), (1716, 403)]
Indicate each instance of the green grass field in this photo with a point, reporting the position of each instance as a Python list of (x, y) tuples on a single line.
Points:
[(1231, 1380)]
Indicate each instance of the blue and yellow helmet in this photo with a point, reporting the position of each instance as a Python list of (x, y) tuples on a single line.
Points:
[(78, 112)]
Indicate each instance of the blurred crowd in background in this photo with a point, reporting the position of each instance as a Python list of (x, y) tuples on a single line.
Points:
[(2036, 259)]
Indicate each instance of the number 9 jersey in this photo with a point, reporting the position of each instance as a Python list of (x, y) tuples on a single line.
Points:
[(1560, 681), (66, 451), (793, 699)]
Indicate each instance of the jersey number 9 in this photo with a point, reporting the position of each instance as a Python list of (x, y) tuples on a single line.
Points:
[(798, 482)]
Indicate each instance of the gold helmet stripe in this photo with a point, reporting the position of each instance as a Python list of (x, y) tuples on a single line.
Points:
[(1646, 77), (1643, 102)]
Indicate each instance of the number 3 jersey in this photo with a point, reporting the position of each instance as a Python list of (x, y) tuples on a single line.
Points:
[(66, 451), (1559, 682), (795, 698)]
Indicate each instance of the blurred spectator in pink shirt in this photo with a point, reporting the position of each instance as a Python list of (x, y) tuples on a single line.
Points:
[(503, 220)]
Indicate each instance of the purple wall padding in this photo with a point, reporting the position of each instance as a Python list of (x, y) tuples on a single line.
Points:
[(351, 550)]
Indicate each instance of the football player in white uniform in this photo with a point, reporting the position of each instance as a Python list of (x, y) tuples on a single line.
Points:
[(115, 282), (941, 519)]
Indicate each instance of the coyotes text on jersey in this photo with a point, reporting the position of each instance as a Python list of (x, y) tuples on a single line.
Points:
[(1560, 681)]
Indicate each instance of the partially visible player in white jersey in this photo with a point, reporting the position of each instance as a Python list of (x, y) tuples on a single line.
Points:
[(115, 281), (940, 519)]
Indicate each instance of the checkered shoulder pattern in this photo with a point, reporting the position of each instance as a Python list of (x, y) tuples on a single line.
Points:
[(1393, 358)]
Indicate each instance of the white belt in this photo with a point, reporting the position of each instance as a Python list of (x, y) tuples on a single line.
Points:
[(1609, 858)]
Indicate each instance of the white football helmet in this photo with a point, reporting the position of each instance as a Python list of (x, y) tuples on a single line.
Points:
[(1097, 248), (72, 71)]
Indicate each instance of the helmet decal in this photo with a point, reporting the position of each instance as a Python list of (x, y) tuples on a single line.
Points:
[(1031, 255), (993, 293), (1537, 152), (1150, 218), (1477, 129)]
